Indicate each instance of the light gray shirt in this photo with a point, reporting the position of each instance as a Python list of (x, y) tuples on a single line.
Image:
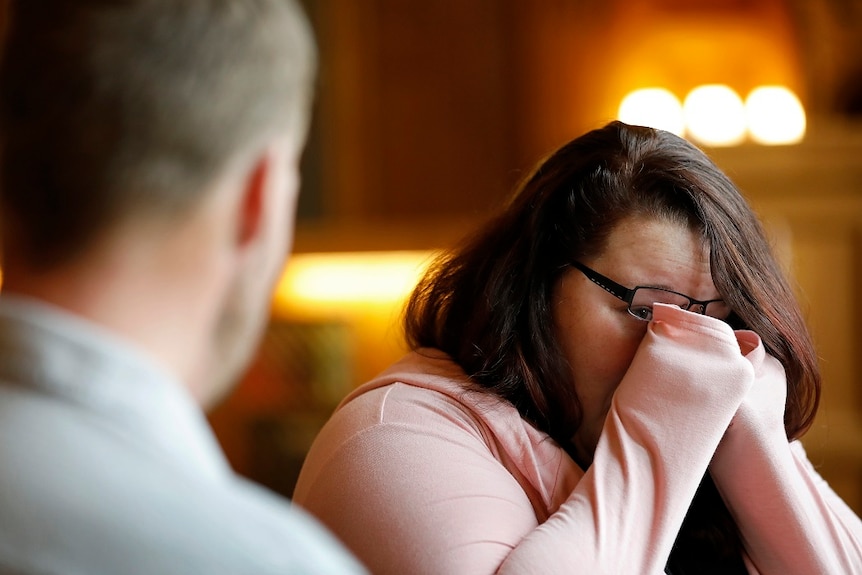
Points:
[(108, 466)]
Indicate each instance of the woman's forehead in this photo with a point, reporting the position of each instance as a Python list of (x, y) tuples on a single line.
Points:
[(656, 252)]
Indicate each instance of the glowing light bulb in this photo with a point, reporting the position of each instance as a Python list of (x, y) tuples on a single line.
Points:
[(653, 107), (715, 115), (775, 116)]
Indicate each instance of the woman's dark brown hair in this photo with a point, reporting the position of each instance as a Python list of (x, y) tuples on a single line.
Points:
[(488, 303)]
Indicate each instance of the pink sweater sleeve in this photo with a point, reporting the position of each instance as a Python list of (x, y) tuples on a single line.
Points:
[(791, 521), (666, 420), (416, 482), (407, 481)]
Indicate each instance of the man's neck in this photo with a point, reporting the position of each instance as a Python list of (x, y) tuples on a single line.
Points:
[(159, 295)]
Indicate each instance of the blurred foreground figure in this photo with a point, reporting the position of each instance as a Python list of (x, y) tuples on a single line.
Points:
[(149, 178)]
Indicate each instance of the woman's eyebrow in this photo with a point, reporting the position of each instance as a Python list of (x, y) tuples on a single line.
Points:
[(658, 286)]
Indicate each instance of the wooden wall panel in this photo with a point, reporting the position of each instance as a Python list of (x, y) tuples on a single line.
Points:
[(416, 108)]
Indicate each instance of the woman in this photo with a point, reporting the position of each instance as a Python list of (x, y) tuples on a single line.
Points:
[(578, 401)]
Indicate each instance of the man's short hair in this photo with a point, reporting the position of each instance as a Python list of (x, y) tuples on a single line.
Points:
[(119, 108)]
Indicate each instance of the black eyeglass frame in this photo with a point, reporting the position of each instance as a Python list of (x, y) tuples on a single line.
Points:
[(627, 294)]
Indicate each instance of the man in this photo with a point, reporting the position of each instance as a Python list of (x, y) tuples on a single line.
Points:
[(149, 178)]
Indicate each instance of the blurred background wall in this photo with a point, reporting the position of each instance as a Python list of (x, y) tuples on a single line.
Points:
[(429, 112)]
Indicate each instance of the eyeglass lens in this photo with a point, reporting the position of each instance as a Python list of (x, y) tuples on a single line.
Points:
[(643, 300)]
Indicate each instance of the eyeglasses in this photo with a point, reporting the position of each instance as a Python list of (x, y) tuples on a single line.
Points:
[(641, 299)]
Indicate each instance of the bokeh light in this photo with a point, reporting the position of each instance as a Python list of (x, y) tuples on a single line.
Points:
[(653, 107), (775, 116), (715, 115), (357, 278)]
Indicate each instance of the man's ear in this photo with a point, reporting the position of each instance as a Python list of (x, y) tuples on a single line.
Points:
[(252, 203)]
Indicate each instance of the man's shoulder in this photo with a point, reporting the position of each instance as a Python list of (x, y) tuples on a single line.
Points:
[(170, 536), (77, 491)]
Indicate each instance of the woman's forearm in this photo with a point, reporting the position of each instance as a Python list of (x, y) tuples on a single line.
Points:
[(790, 520)]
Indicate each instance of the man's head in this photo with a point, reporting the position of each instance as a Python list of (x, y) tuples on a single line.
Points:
[(183, 119), (113, 109)]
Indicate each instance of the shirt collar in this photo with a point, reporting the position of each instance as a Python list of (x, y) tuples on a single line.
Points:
[(55, 352)]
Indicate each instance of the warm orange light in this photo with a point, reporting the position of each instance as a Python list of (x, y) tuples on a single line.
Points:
[(338, 280), (653, 107), (775, 116), (715, 115)]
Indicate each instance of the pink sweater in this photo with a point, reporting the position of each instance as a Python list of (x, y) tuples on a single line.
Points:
[(418, 475)]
